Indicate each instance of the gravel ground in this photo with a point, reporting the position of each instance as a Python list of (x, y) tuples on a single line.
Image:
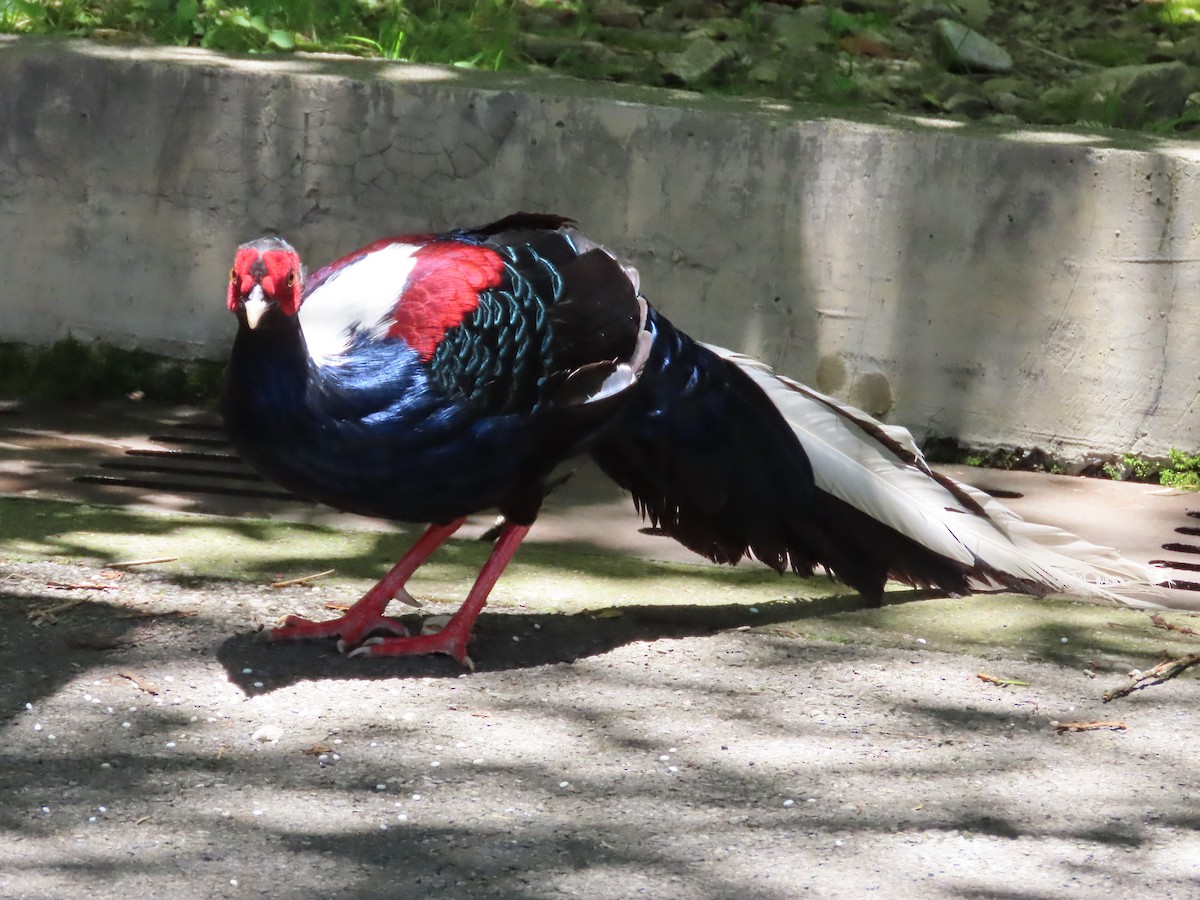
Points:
[(153, 748)]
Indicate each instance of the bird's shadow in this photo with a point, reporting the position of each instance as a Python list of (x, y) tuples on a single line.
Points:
[(504, 640)]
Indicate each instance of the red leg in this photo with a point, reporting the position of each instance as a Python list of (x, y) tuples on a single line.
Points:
[(452, 640), (367, 615)]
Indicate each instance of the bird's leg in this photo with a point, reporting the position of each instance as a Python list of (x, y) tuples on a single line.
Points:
[(452, 640), (366, 615)]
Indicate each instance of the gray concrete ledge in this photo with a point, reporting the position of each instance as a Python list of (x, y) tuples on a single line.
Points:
[(1024, 288)]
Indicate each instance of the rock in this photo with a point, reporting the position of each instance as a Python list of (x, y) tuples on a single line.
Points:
[(975, 12), (968, 105), (802, 29), (617, 14), (702, 57), (961, 49), (1125, 96)]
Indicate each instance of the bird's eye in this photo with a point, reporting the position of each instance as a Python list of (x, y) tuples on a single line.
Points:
[(291, 279), (233, 274)]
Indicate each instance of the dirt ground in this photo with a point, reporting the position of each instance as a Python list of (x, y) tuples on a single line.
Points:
[(635, 727)]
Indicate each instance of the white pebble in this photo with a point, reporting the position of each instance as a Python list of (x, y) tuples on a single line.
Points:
[(435, 764), (233, 882), (672, 769), (382, 827), (922, 641), (29, 706), (50, 737), (91, 818), (408, 717), (258, 812), (258, 684), (754, 610), (416, 796), (402, 818), (102, 809), (267, 733), (247, 671), (170, 745), (37, 726), (1062, 640), (664, 758), (563, 784), (788, 804), (382, 786), (46, 810), (478, 760), (672, 750), (126, 725)]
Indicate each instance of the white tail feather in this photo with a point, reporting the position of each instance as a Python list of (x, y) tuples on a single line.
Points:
[(879, 470)]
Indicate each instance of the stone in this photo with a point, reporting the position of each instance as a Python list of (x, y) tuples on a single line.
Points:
[(1127, 96), (617, 14), (975, 12), (802, 29), (702, 57), (968, 105), (962, 49)]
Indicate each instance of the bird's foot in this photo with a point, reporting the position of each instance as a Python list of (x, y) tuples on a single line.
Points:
[(352, 629), (451, 640)]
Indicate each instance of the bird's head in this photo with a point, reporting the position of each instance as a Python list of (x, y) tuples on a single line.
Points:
[(267, 279)]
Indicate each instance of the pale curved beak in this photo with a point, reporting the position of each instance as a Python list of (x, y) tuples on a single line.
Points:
[(255, 306)]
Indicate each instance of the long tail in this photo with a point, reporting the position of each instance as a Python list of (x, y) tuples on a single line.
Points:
[(733, 460)]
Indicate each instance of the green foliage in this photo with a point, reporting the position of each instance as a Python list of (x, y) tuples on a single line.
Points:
[(1182, 471), (73, 371), (477, 33)]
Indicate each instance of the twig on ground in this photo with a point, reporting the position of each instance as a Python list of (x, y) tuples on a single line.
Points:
[(142, 683), (303, 579), (1164, 671), (1160, 622), (69, 586), (1062, 727), (1004, 682), (130, 563)]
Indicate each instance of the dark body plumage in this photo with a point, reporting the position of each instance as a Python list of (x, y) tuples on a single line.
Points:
[(424, 378), (479, 424)]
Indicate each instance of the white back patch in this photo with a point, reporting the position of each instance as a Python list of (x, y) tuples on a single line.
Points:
[(357, 298)]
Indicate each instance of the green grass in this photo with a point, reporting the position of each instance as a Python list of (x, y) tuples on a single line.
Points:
[(73, 371), (475, 33)]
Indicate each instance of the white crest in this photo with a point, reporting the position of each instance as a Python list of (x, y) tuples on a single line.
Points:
[(357, 298)]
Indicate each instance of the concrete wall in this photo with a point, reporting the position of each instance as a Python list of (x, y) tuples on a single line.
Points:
[(1023, 288)]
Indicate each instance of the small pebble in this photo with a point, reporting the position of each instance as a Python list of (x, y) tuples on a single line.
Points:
[(663, 758), (382, 786), (247, 671), (402, 818), (170, 745), (1062, 640), (754, 610), (563, 784), (435, 764), (258, 812), (921, 641), (382, 826), (478, 760), (788, 804), (258, 684), (29, 706), (37, 726), (267, 733), (233, 882), (416, 796), (126, 725)]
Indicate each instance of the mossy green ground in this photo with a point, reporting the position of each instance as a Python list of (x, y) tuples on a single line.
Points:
[(549, 579)]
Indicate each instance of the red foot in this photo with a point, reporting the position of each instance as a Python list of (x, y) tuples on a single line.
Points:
[(351, 628), (366, 616), (450, 640)]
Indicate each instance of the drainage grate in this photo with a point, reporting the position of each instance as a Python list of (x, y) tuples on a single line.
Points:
[(214, 470)]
